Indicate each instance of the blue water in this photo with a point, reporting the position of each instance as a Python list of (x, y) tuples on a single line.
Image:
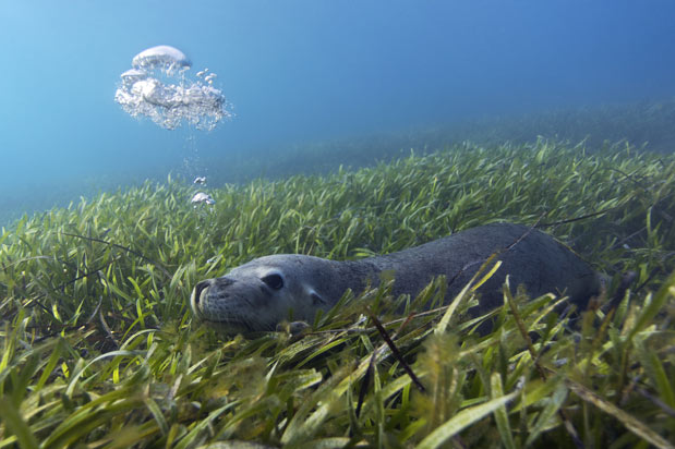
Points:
[(303, 70)]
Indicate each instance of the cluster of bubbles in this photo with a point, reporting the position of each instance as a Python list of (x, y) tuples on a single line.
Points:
[(201, 197), (157, 87)]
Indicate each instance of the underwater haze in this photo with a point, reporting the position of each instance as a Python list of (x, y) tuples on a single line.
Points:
[(298, 71)]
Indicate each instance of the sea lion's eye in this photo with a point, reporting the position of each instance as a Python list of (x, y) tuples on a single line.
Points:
[(274, 281)]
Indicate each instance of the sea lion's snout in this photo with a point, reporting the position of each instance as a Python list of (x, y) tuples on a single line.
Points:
[(226, 303), (199, 289), (208, 293)]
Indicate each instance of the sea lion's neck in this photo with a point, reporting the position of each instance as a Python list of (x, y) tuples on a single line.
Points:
[(356, 275)]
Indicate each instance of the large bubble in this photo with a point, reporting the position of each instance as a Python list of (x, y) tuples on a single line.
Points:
[(158, 87), (162, 57)]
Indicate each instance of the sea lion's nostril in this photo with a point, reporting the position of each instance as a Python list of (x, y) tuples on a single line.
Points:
[(199, 288)]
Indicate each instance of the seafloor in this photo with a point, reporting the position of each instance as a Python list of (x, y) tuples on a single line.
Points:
[(100, 348)]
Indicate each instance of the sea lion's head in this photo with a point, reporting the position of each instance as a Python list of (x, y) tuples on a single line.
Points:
[(261, 294)]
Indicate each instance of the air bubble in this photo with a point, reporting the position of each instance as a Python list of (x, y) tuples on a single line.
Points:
[(157, 87)]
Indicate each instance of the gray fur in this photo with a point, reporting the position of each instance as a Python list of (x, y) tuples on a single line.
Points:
[(240, 300)]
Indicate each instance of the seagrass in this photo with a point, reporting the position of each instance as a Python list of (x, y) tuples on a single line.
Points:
[(99, 347)]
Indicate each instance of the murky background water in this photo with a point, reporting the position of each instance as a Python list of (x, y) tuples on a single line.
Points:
[(309, 76)]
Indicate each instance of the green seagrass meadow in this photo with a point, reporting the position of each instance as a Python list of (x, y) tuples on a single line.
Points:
[(99, 348)]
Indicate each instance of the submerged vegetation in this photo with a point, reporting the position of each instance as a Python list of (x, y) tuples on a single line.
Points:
[(645, 123), (99, 347)]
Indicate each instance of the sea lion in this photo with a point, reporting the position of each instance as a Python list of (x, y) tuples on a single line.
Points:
[(260, 294)]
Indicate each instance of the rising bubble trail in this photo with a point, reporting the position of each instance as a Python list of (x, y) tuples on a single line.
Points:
[(158, 87)]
